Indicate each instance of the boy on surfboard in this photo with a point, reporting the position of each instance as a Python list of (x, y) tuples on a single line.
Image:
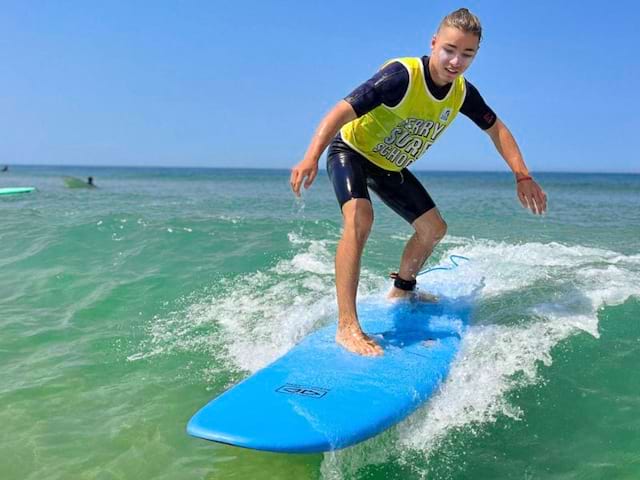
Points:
[(381, 128)]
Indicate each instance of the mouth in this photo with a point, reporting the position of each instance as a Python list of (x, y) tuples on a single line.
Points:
[(451, 71)]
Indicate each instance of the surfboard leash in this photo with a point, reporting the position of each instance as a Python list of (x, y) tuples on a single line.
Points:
[(452, 258)]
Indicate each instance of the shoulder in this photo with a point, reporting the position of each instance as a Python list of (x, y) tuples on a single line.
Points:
[(472, 97), (472, 92), (476, 108), (470, 88), (392, 75), (393, 67)]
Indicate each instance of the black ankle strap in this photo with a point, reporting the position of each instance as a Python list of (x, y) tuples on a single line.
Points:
[(402, 284)]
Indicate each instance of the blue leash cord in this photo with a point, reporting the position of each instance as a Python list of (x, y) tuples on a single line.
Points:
[(452, 258)]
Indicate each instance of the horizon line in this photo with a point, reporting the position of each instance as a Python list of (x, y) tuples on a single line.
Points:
[(321, 170)]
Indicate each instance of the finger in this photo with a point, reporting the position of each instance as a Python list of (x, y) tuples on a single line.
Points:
[(531, 203), (310, 178), (544, 200), (540, 196), (537, 207), (292, 177), (523, 199), (539, 202), (540, 199), (535, 204), (297, 181)]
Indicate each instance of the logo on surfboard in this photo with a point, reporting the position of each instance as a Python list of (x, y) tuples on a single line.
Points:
[(305, 391)]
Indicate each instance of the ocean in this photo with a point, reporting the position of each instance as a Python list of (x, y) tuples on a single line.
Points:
[(125, 308)]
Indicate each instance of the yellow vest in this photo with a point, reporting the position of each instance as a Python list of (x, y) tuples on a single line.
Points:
[(395, 137)]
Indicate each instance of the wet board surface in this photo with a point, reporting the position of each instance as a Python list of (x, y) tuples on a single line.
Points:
[(320, 397)]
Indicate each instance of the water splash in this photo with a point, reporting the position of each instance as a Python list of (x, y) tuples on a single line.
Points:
[(534, 296)]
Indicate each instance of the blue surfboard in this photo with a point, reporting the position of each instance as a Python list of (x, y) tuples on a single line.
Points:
[(320, 397)]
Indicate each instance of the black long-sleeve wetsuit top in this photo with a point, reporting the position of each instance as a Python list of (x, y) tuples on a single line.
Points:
[(390, 84)]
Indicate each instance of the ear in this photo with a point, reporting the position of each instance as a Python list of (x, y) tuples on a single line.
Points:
[(433, 40)]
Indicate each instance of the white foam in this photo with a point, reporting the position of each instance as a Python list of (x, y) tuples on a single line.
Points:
[(532, 296), (265, 315), (493, 361), (261, 315), (509, 341)]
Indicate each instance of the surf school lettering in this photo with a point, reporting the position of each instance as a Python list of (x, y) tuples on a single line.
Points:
[(409, 140)]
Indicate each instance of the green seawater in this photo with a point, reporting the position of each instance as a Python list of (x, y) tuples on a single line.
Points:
[(125, 308)]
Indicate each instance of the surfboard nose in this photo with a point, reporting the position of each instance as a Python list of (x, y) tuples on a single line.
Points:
[(265, 427)]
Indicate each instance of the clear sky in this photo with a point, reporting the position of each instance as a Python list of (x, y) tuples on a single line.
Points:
[(244, 83)]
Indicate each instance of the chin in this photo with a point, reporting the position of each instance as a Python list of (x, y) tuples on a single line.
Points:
[(446, 76)]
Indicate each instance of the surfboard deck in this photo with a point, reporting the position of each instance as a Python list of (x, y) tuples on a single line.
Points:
[(15, 190), (320, 397)]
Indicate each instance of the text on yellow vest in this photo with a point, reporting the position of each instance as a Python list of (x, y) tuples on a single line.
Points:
[(395, 137)]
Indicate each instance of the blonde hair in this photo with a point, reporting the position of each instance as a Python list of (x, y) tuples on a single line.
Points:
[(464, 20)]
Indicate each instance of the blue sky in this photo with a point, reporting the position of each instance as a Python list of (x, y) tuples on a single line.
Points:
[(244, 83)]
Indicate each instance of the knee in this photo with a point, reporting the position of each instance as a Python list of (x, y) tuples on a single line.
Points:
[(358, 219), (432, 232), (440, 230)]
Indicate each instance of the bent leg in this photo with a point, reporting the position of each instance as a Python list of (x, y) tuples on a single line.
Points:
[(358, 219), (430, 228), (404, 193)]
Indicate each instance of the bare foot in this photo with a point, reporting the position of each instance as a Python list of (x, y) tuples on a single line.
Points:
[(413, 296), (355, 340)]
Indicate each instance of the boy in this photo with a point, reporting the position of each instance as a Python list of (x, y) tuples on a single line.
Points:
[(376, 133)]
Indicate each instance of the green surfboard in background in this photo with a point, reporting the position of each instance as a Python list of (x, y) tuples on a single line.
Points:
[(16, 190), (73, 182)]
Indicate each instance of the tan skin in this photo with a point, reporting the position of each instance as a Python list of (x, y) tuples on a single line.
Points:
[(452, 52)]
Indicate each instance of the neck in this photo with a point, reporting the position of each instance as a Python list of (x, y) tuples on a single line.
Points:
[(434, 76)]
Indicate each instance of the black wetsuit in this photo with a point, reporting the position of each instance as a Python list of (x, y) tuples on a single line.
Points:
[(352, 174)]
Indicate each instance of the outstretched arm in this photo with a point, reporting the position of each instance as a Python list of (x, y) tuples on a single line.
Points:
[(529, 192), (307, 169)]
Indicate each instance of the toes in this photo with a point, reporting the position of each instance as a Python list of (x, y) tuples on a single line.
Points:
[(369, 348), (374, 348), (360, 344), (372, 352)]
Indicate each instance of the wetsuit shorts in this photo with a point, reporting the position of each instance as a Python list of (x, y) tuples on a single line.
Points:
[(352, 175)]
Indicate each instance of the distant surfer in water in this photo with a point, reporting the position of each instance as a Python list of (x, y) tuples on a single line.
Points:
[(90, 182), (381, 128)]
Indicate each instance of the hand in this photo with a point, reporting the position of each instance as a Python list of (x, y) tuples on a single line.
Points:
[(531, 196), (303, 170)]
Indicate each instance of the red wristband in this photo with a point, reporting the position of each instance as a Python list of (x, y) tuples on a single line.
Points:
[(523, 179)]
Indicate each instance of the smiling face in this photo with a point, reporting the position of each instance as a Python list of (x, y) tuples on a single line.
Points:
[(452, 51)]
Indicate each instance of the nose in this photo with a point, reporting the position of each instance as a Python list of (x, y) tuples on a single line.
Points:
[(455, 61)]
